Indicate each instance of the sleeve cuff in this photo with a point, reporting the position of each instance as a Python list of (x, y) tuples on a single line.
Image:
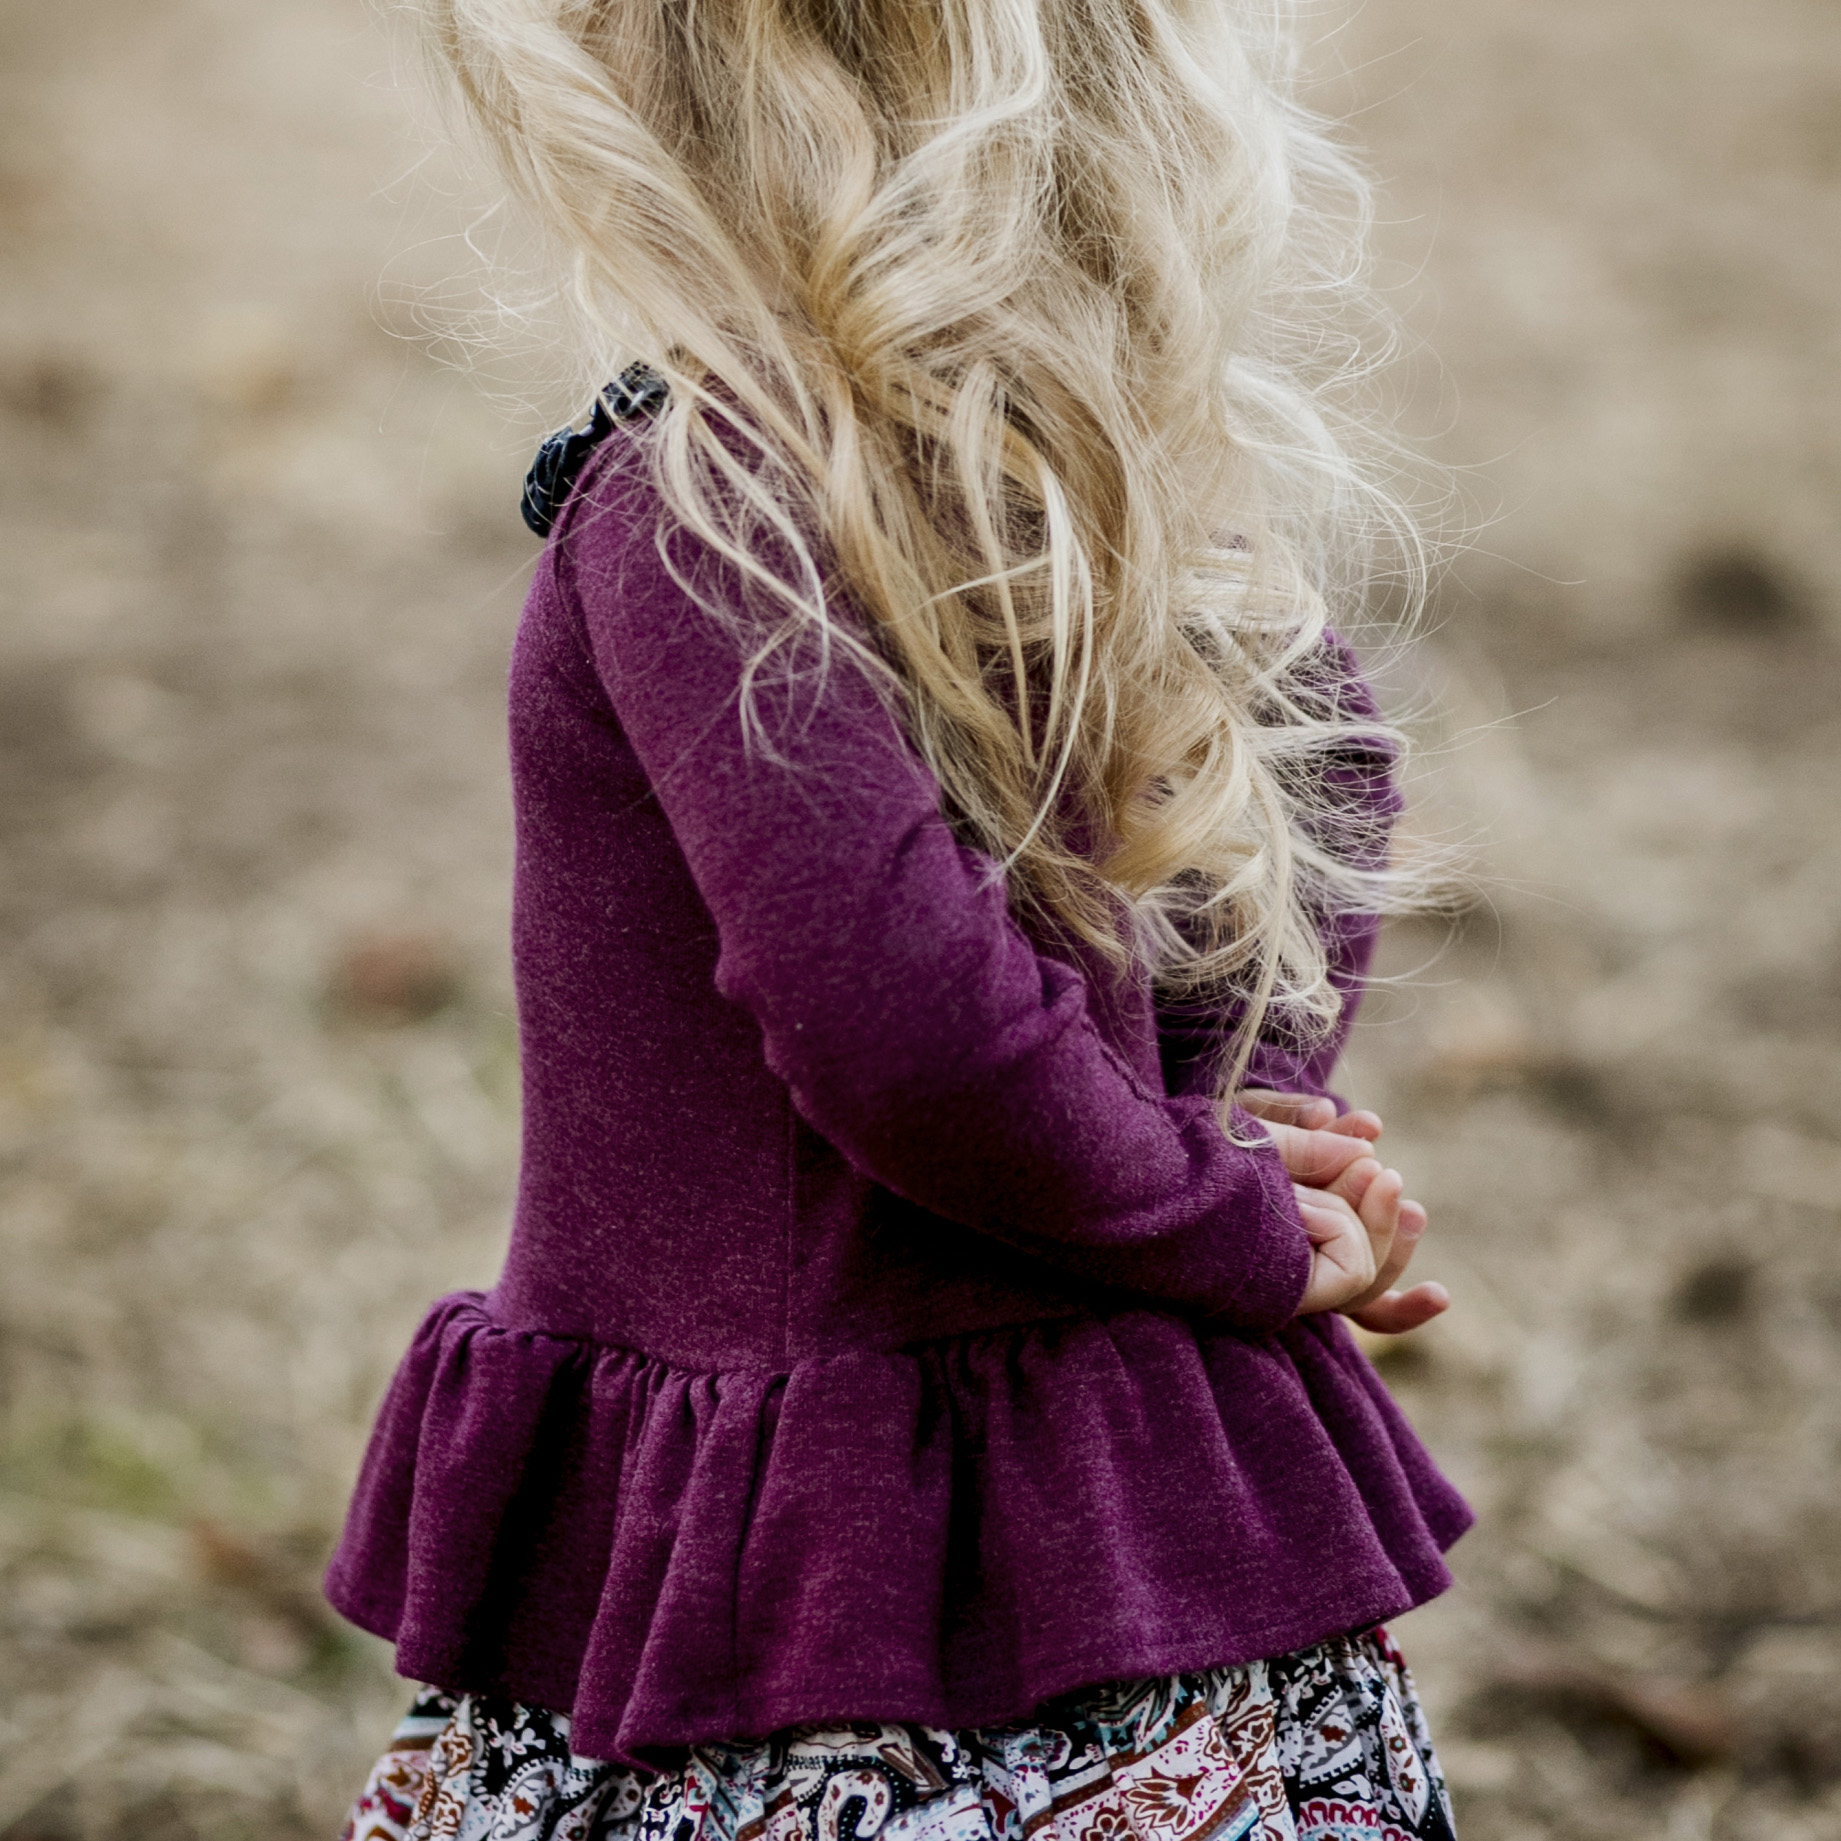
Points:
[(1272, 1285)]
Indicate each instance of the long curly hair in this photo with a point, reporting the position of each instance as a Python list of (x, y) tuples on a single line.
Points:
[(1041, 330)]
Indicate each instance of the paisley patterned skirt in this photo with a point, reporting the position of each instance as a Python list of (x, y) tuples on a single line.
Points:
[(1326, 1744)]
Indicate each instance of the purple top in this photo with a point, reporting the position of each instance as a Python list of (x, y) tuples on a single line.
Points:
[(889, 1329)]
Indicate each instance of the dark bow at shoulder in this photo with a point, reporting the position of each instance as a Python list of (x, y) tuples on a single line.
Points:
[(636, 392)]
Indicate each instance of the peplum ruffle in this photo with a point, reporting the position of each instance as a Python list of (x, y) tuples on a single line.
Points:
[(675, 1556)]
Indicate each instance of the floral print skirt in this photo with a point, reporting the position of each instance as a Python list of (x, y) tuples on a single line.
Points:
[(1325, 1744)]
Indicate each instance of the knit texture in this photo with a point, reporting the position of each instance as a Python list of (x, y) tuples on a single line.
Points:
[(889, 1330)]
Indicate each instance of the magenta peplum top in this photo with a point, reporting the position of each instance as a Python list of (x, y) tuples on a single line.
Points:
[(889, 1329)]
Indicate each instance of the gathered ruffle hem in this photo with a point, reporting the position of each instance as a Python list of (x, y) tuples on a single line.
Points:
[(674, 1557)]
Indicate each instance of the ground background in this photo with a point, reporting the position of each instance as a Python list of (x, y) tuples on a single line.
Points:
[(258, 572)]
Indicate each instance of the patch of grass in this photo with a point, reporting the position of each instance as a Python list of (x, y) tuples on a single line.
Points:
[(147, 1467)]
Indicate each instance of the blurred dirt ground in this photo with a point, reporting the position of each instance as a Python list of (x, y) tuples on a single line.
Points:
[(257, 1077)]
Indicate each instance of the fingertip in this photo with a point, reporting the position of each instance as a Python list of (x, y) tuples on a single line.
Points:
[(1362, 1125), (1421, 1305), (1357, 1179), (1399, 1313)]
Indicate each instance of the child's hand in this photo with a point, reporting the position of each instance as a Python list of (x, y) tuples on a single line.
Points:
[(1352, 1223), (1355, 1226), (1314, 1143), (1308, 1110), (1382, 1309)]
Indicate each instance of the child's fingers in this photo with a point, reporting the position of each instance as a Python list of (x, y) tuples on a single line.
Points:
[(1410, 1226), (1303, 1109), (1324, 1220), (1352, 1182), (1379, 1209), (1342, 1261), (1394, 1313), (1319, 1158), (1309, 1112), (1356, 1125)]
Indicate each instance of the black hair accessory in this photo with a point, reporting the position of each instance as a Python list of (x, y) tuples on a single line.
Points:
[(636, 392)]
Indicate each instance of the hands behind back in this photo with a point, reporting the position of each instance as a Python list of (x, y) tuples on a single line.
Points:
[(1362, 1230)]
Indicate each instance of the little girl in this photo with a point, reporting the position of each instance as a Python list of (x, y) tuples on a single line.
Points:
[(915, 1402)]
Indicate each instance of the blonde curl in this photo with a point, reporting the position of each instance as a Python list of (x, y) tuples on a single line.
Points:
[(1041, 328)]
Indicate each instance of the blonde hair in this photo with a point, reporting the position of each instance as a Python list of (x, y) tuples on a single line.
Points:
[(1041, 327)]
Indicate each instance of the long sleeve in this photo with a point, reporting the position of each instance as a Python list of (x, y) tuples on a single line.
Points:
[(1193, 1038), (914, 1023)]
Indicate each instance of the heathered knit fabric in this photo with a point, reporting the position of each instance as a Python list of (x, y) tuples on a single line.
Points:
[(889, 1330)]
